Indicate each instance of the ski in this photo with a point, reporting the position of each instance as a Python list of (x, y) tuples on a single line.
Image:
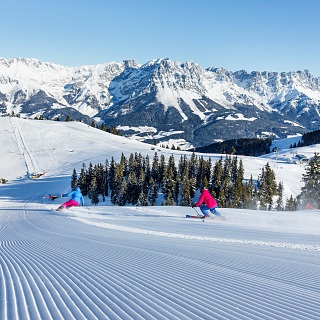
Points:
[(51, 197), (196, 217), (203, 217)]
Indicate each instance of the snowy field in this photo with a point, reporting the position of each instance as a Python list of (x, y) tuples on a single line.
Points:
[(110, 262)]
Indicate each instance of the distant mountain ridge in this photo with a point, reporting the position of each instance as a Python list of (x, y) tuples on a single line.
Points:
[(165, 100)]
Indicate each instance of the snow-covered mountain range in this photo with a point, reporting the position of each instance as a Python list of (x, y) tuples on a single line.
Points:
[(165, 100)]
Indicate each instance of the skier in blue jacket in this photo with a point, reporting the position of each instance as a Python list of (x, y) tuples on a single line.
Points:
[(76, 199)]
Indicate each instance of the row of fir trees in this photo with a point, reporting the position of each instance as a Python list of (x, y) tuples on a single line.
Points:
[(140, 181), (310, 192)]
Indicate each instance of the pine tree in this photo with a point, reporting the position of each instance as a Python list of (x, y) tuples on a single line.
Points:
[(162, 168), (291, 204), (147, 173), (172, 167), (100, 172), (142, 200), (124, 165), (112, 182), (82, 180), (122, 195), (268, 187), (138, 163), (106, 179), (118, 186), (155, 174), (226, 182), (186, 188), (216, 180), (133, 190), (93, 191), (89, 175), (103, 127), (193, 165), (279, 203), (237, 181), (247, 198), (74, 179), (201, 173), (177, 187), (185, 199), (153, 192), (311, 190)]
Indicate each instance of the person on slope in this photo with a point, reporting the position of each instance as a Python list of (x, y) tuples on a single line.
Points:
[(207, 203), (76, 199)]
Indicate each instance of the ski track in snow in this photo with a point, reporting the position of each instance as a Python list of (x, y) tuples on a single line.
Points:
[(29, 160), (184, 236), (139, 262), (52, 268)]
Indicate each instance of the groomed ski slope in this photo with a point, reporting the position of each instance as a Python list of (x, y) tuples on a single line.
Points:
[(110, 262)]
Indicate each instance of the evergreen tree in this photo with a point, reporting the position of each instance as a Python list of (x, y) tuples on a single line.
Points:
[(112, 182), (162, 168), (155, 173), (248, 195), (279, 204), (119, 186), (122, 195), (263, 192), (74, 179), (133, 189), (193, 186), (106, 179), (93, 190), (311, 190), (124, 165), (147, 173), (103, 127), (268, 187), (153, 192), (291, 204), (89, 176), (172, 167), (193, 165), (216, 180), (185, 199), (142, 200), (237, 173), (177, 187), (201, 173), (226, 181), (138, 163), (82, 180)]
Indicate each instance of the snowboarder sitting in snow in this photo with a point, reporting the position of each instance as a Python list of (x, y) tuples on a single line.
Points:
[(76, 200), (207, 204)]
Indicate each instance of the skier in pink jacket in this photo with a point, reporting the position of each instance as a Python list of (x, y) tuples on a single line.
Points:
[(207, 204)]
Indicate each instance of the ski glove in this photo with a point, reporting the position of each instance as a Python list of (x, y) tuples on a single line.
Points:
[(64, 195)]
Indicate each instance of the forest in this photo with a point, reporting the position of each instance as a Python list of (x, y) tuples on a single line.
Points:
[(142, 181)]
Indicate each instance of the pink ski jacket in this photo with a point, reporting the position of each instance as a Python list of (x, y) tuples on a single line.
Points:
[(207, 199)]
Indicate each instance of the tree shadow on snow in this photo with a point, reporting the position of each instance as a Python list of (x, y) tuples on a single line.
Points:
[(33, 190)]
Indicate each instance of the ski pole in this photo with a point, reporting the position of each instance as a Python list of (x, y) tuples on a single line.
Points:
[(196, 211)]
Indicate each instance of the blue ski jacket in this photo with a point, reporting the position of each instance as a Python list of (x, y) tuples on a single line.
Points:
[(76, 195)]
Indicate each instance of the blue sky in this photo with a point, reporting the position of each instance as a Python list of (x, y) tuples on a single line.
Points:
[(272, 35)]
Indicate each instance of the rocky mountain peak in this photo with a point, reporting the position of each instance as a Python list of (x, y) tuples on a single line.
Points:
[(176, 101)]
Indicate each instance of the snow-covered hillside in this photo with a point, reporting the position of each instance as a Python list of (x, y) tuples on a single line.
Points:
[(110, 262)]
